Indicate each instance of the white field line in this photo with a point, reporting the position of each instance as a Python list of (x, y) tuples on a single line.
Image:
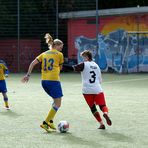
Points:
[(128, 80), (119, 81)]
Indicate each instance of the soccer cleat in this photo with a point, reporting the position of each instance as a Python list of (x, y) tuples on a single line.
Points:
[(7, 107), (45, 126), (109, 122), (102, 126), (51, 125)]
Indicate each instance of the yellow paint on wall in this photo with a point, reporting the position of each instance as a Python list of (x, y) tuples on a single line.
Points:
[(128, 23)]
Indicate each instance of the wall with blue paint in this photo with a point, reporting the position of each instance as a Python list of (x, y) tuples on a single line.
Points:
[(115, 49), (118, 51)]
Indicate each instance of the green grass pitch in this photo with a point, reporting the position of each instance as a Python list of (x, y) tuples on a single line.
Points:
[(126, 97)]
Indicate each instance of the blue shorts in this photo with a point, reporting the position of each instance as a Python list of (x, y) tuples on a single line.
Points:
[(52, 88), (3, 88)]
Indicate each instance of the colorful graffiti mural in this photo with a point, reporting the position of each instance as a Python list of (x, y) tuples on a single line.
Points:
[(118, 51), (115, 49)]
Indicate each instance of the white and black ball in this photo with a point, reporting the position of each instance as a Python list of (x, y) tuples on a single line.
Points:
[(63, 126)]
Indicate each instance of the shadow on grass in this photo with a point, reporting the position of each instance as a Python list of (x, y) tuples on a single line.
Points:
[(75, 140), (10, 113), (113, 136)]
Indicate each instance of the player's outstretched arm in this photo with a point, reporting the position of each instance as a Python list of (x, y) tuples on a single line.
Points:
[(68, 67), (31, 66)]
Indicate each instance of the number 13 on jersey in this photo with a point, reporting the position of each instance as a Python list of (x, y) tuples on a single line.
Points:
[(48, 64)]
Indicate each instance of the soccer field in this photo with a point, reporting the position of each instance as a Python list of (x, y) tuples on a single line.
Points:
[(126, 97)]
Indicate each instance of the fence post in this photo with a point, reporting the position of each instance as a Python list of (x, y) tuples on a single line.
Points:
[(97, 32), (57, 19), (18, 35)]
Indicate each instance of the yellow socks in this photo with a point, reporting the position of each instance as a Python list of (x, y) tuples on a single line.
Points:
[(51, 114), (6, 103)]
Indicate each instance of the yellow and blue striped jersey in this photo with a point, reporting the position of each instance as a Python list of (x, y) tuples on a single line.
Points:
[(51, 61), (3, 69)]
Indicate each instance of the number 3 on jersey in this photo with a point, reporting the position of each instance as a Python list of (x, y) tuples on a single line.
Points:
[(48, 64), (93, 77)]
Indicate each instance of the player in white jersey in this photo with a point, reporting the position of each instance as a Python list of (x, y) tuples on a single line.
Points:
[(92, 90)]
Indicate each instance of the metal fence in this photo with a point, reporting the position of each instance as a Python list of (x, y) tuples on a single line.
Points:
[(80, 25), (24, 23)]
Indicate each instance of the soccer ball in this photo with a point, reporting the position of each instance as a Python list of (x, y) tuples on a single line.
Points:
[(63, 126)]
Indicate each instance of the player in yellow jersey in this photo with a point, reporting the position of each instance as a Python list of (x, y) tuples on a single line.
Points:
[(51, 64), (3, 89)]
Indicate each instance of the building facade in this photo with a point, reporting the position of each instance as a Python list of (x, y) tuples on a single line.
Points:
[(119, 42)]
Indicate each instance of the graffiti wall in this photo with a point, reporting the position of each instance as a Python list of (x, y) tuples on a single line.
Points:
[(29, 49), (117, 47)]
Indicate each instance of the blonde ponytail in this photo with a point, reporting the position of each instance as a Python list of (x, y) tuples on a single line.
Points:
[(49, 39), (51, 43)]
